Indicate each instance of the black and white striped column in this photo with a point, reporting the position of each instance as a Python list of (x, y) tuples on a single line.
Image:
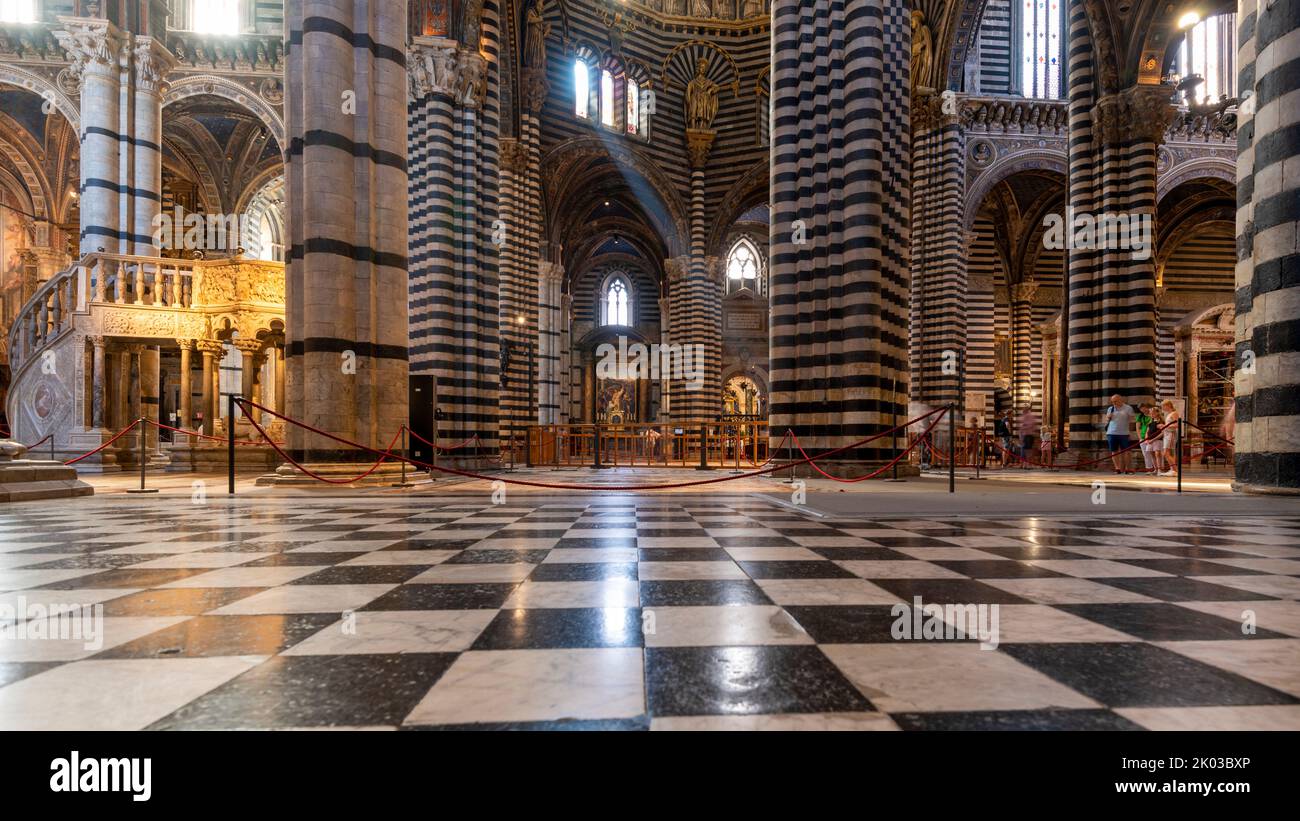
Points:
[(456, 239), (939, 255), (346, 187), (1268, 227), (1110, 295), (550, 283), (152, 62), (841, 188)]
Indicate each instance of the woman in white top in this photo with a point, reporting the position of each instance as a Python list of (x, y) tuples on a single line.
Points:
[(1171, 438)]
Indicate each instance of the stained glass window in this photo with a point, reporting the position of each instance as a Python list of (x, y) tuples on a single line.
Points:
[(618, 302), (1208, 51), (1041, 48), (633, 106)]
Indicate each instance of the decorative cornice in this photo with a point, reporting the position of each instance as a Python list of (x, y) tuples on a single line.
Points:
[(432, 67)]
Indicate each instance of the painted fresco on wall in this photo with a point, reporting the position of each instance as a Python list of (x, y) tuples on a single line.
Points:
[(616, 402)]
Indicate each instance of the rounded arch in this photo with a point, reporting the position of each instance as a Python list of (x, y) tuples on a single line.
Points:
[(570, 154), (33, 181), (232, 92), (42, 87), (750, 190), (1214, 168), (1037, 159)]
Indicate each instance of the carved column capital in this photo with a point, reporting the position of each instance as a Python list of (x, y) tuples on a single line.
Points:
[(1024, 291), (186, 344), (514, 155), (153, 62), (676, 268), (94, 46), (471, 79), (1139, 114), (550, 272), (535, 88), (431, 64), (698, 145), (211, 347)]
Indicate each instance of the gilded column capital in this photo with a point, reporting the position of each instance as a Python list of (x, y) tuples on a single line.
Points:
[(699, 143)]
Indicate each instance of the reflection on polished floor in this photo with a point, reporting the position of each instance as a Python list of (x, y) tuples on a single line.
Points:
[(619, 611)]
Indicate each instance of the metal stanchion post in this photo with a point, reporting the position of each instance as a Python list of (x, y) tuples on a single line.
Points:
[(979, 455), (230, 442), (952, 448), (704, 447), (789, 457), (739, 445), (595, 441), (144, 459), (52, 459), (406, 454)]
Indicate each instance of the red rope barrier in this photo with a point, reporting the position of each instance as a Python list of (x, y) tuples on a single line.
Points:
[(106, 445), (884, 469), (317, 476), (545, 485), (198, 435), (38, 444), (439, 448)]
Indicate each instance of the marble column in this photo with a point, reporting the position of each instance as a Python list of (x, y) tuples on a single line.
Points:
[(186, 420), (97, 383), (457, 242), (550, 282), (346, 188), (150, 401), (96, 48), (1022, 348), (153, 61), (211, 351), (1268, 227), (840, 244)]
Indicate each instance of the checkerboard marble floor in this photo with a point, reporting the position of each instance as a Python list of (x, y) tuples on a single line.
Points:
[(640, 612)]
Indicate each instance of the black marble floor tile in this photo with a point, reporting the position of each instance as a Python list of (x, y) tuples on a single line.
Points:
[(1164, 622), (185, 601), (701, 593), (860, 554), (443, 597), (540, 629), (1141, 675), (1191, 567), (583, 571), (303, 560), (703, 681), (94, 561), (124, 577), (605, 725), (1187, 552), (316, 691), (596, 543), (908, 541), (1029, 552), (948, 591), (279, 546), (795, 570), (672, 532), (1015, 720), (11, 671), (997, 569), (755, 541), (684, 554), (1176, 589), (364, 574), (499, 557), (850, 624), (431, 544), (213, 636)]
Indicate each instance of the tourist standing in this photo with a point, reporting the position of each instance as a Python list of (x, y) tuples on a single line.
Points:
[(1119, 422)]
